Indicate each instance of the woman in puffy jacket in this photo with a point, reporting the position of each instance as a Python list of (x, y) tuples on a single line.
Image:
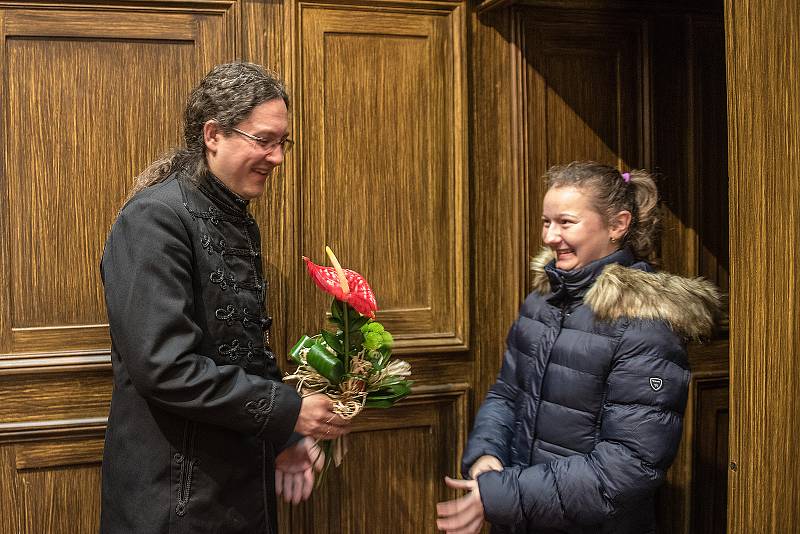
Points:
[(586, 414)]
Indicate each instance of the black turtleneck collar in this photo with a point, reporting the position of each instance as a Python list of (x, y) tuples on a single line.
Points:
[(573, 284), (222, 195)]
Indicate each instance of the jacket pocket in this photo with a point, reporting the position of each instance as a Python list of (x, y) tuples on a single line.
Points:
[(185, 462)]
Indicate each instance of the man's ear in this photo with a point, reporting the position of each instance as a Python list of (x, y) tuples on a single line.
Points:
[(211, 135), (620, 224)]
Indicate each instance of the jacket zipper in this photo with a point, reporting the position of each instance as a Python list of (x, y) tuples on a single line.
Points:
[(562, 314)]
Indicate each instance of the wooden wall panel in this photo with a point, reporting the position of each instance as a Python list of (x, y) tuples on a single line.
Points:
[(498, 190), (710, 481), (762, 52), (587, 95), (380, 172), (392, 476), (90, 94), (67, 95)]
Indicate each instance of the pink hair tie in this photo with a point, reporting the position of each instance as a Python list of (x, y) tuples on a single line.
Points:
[(626, 176)]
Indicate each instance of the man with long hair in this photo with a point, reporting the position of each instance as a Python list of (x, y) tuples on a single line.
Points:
[(200, 425)]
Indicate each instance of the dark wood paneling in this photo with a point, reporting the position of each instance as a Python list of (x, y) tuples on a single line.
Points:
[(709, 156), (587, 95), (762, 52), (91, 94), (67, 179), (498, 185), (381, 173), (710, 480), (678, 504), (393, 473)]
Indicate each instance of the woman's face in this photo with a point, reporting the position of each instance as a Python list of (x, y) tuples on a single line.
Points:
[(573, 229)]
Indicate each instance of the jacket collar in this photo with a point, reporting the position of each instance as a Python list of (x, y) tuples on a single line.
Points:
[(573, 284), (618, 286), (222, 196)]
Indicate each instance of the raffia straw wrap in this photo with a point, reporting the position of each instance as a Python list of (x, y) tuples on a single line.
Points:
[(349, 401)]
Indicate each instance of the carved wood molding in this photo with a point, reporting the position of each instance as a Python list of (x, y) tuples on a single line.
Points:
[(54, 363), (641, 6), (178, 6), (57, 428)]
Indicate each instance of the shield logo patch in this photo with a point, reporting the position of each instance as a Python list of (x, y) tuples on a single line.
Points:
[(656, 383)]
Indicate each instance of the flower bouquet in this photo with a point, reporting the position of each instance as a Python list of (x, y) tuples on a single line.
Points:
[(352, 365)]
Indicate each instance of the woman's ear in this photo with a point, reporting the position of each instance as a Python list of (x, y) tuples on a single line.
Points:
[(211, 135), (620, 224)]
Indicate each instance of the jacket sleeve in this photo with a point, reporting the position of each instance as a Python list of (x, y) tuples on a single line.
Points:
[(640, 431), (494, 425), (147, 273)]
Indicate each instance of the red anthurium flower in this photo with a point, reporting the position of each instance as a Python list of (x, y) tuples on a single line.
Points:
[(343, 284)]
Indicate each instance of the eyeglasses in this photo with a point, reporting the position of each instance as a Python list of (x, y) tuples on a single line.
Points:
[(268, 145)]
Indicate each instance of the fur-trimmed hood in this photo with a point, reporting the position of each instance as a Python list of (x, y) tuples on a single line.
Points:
[(688, 305)]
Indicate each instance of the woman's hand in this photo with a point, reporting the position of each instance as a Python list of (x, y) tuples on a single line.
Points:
[(464, 515), (294, 470), (316, 418), (483, 464)]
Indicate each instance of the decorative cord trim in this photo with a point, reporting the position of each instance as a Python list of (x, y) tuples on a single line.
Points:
[(230, 314), (225, 280), (261, 410), (221, 248), (215, 215), (235, 350)]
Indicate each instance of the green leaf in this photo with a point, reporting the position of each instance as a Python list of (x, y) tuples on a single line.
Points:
[(326, 364), (372, 403), (333, 341), (391, 381), (303, 343), (386, 398), (356, 325), (353, 314), (336, 312)]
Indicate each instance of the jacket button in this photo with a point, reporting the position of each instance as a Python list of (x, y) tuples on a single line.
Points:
[(178, 458)]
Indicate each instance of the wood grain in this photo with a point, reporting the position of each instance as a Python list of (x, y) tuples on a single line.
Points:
[(69, 187), (762, 51), (498, 207), (57, 454), (393, 474), (381, 174), (587, 96)]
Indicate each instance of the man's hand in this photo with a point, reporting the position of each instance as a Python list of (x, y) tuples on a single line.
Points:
[(483, 464), (294, 470), (317, 419), (464, 515)]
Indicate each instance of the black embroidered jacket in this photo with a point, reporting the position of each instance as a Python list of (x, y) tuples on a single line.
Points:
[(198, 410)]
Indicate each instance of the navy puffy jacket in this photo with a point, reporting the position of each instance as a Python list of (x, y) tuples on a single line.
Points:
[(586, 414)]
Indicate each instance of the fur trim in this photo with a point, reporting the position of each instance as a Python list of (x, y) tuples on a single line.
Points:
[(688, 305), (539, 279)]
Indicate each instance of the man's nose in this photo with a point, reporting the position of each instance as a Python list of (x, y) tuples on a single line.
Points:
[(275, 157)]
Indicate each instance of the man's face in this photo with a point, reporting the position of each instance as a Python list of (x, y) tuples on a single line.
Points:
[(241, 163)]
